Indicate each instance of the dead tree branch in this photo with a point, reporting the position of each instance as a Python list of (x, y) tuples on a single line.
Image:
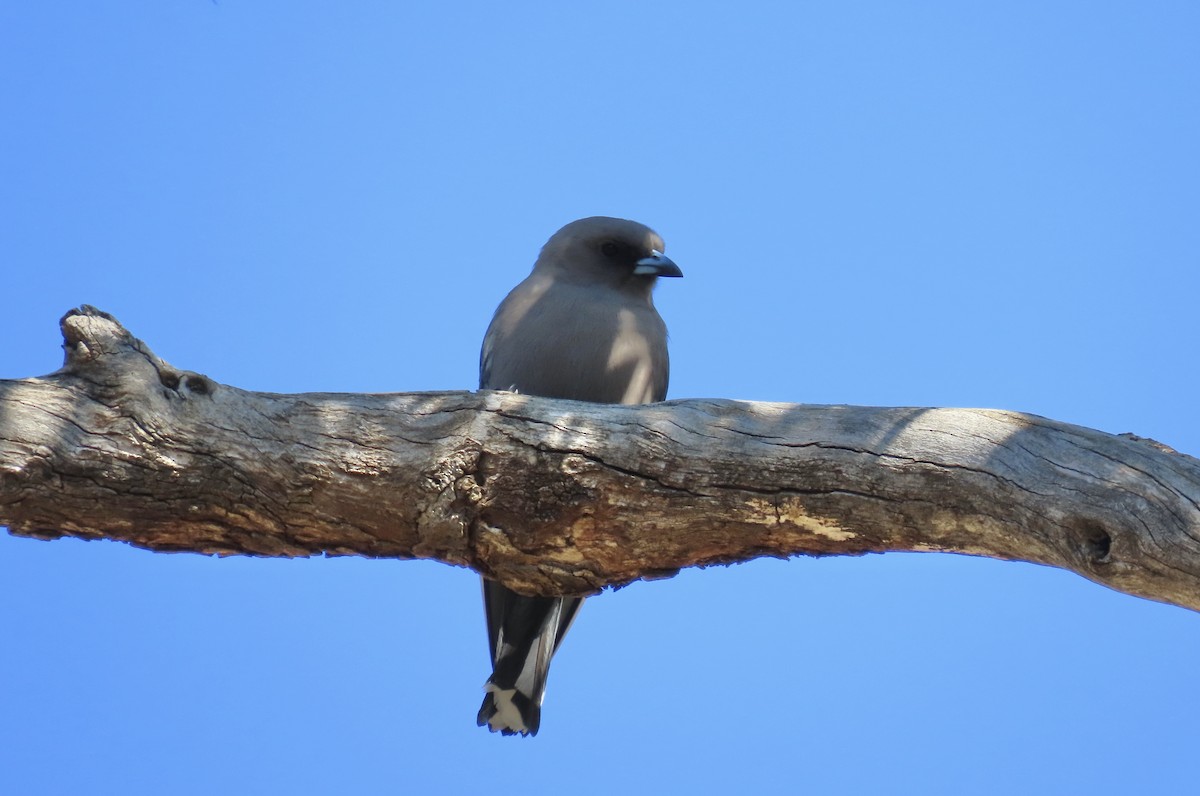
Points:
[(563, 497)]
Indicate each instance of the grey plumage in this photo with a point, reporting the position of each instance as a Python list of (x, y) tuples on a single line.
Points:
[(581, 326)]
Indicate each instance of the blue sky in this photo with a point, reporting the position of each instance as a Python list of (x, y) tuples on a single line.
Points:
[(926, 204)]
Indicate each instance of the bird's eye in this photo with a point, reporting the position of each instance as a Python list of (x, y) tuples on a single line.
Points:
[(610, 249)]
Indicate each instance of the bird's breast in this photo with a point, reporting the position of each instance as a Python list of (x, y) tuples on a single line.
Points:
[(570, 344)]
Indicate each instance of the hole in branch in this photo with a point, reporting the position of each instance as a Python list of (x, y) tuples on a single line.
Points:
[(198, 384), (1093, 542)]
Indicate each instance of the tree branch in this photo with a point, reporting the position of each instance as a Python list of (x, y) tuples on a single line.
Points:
[(565, 497)]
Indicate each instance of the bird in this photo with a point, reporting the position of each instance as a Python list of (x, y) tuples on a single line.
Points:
[(581, 326)]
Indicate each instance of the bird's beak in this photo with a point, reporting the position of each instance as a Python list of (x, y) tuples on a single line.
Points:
[(657, 264)]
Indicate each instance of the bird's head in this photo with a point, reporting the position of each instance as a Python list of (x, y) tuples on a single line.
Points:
[(607, 251)]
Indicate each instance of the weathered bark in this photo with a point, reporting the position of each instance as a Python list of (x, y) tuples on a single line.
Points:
[(565, 497)]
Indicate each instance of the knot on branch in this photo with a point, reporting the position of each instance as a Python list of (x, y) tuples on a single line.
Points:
[(185, 381), (89, 333)]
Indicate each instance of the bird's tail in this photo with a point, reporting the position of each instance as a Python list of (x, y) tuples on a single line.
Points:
[(524, 632)]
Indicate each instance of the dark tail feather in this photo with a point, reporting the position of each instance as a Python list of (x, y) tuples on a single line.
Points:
[(523, 633)]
